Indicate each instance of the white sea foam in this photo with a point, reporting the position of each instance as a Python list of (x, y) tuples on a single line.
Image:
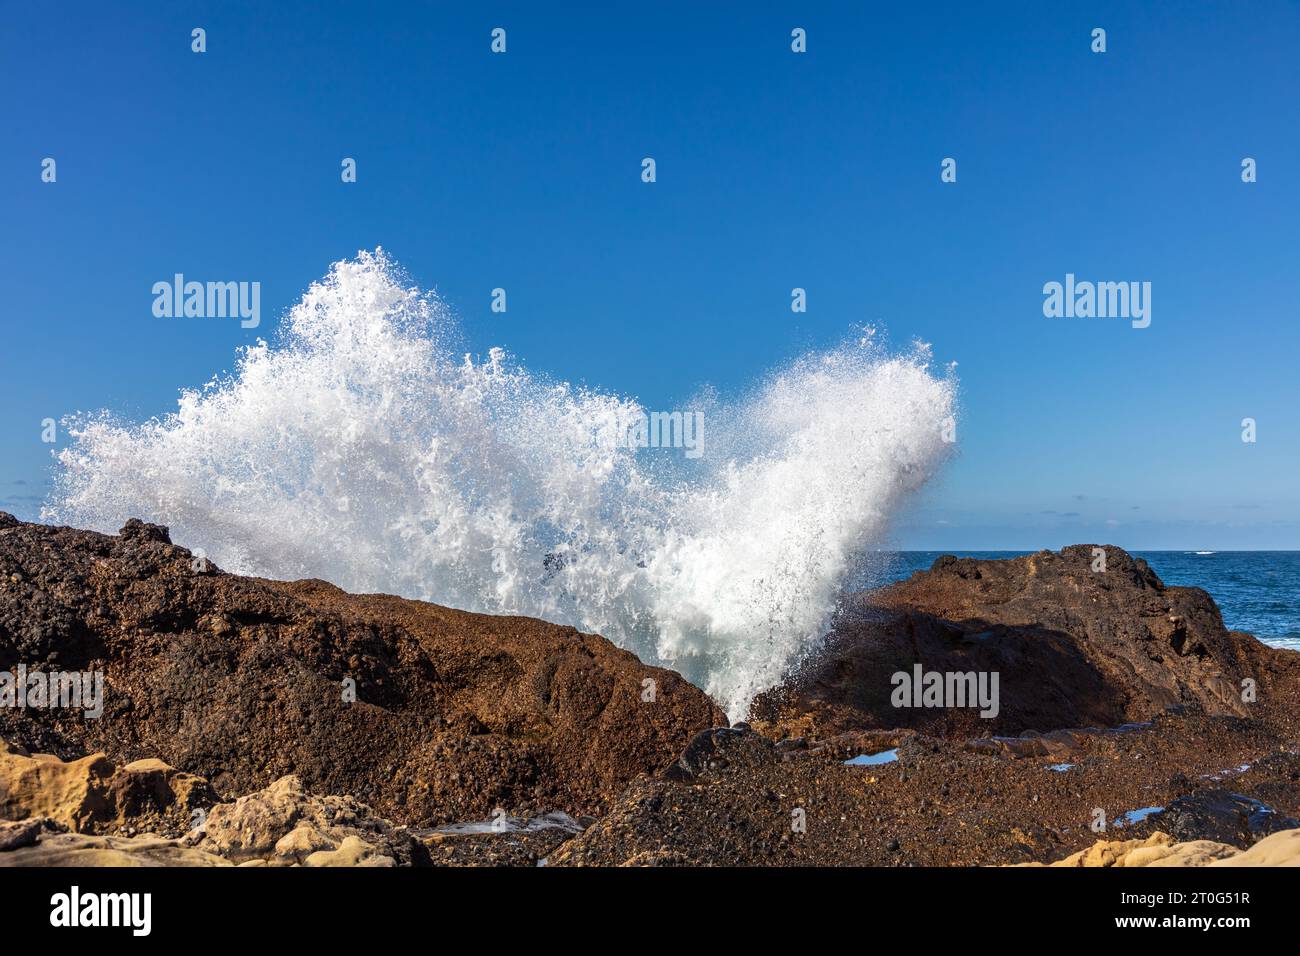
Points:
[(361, 450)]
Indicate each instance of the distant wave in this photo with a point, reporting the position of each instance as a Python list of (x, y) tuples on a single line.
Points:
[(361, 450)]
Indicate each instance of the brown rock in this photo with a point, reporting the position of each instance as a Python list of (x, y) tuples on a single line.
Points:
[(1073, 648), (242, 681), (734, 799)]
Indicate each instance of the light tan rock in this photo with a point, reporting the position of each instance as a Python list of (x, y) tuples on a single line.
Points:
[(1159, 849), (1193, 853), (281, 825), (1278, 849), (80, 849), (146, 788), (41, 785), (253, 824), (1113, 852), (147, 765), (353, 851), (92, 795), (15, 834), (285, 825), (302, 841)]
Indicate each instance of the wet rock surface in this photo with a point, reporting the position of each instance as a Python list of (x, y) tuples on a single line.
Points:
[(1222, 816), (500, 842)]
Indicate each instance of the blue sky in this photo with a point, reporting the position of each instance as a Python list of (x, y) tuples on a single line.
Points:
[(775, 170)]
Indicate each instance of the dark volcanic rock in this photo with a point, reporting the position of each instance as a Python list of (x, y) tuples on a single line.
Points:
[(939, 803), (713, 751), (1221, 816), (244, 680), (1072, 647)]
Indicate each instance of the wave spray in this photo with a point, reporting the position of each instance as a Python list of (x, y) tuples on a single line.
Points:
[(360, 449)]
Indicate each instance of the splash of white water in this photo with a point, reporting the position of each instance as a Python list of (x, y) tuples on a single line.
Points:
[(360, 450)]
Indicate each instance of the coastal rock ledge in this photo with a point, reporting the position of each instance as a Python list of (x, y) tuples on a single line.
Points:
[(1085, 637), (429, 714), (252, 722)]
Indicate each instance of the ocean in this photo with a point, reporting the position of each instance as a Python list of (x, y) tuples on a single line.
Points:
[(1255, 590)]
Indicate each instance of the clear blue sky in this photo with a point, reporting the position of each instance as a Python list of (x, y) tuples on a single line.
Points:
[(775, 170)]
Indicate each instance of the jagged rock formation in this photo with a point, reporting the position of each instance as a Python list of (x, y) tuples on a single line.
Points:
[(1124, 694), (244, 680), (1073, 648), (93, 795)]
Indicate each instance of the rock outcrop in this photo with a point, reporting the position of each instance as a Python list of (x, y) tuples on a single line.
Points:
[(901, 798), (1073, 647), (81, 849), (88, 812), (92, 795), (1159, 849), (299, 725), (283, 825), (428, 714)]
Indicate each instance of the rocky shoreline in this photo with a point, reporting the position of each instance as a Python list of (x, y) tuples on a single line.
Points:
[(265, 723)]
